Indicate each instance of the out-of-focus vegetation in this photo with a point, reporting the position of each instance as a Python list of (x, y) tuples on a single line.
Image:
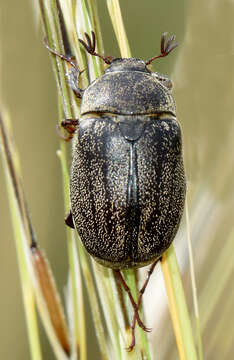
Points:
[(202, 70)]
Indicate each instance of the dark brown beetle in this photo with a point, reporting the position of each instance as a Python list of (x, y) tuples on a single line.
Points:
[(127, 175)]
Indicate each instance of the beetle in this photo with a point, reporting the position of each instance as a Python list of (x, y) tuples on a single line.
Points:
[(127, 185)]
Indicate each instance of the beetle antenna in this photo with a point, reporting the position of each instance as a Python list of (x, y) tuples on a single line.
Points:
[(90, 46), (61, 56), (165, 49)]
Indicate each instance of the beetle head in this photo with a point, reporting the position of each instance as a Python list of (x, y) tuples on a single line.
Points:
[(133, 64), (128, 64)]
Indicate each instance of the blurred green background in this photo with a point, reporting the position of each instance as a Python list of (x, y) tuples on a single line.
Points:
[(203, 70)]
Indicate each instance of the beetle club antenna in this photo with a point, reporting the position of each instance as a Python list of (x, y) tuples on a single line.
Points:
[(165, 49), (90, 47)]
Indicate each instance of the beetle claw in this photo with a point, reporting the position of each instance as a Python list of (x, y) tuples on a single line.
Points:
[(143, 327), (133, 343)]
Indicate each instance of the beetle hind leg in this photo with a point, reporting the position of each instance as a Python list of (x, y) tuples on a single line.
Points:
[(136, 306), (141, 292)]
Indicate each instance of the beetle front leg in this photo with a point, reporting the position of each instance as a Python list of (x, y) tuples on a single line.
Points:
[(73, 74), (70, 125)]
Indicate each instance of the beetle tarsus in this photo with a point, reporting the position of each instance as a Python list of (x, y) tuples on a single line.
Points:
[(133, 342), (165, 48), (90, 46), (133, 326), (141, 292)]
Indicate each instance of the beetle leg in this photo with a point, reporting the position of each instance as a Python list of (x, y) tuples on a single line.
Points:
[(73, 79), (69, 220), (70, 125), (134, 304), (141, 292), (133, 342), (150, 272), (73, 74), (63, 57)]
